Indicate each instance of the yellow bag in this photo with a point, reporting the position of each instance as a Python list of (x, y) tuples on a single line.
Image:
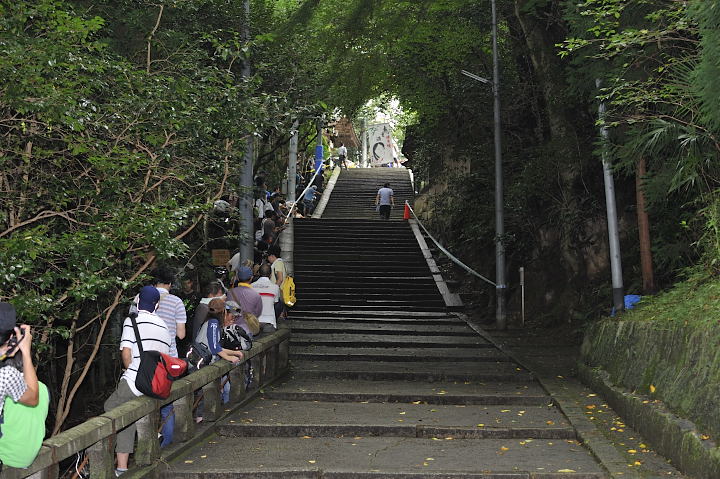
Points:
[(288, 291), (252, 322)]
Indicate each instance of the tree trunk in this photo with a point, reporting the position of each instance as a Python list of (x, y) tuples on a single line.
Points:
[(643, 220)]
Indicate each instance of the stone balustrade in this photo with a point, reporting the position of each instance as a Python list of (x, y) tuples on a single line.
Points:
[(96, 436)]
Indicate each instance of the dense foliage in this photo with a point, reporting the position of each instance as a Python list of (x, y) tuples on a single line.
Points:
[(121, 122), (120, 126)]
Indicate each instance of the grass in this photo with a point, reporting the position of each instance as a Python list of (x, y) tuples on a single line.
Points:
[(694, 300)]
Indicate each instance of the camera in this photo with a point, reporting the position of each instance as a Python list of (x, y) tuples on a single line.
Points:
[(221, 272)]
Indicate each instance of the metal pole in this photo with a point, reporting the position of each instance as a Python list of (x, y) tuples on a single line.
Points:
[(245, 206), (613, 236), (292, 161), (364, 143), (500, 288), (522, 294)]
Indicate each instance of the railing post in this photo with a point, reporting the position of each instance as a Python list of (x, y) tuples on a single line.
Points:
[(283, 354), (237, 384), (212, 400), (272, 357), (257, 364), (148, 445), (184, 422), (101, 458)]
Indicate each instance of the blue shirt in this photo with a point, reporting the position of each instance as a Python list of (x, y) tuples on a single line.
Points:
[(309, 194)]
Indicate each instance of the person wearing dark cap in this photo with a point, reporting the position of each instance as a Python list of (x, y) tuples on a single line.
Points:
[(243, 294), (155, 336), (22, 428)]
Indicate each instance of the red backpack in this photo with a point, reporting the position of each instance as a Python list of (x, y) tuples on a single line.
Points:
[(157, 370)]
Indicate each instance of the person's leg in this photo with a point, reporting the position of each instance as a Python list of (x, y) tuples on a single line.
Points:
[(167, 417), (125, 439), (225, 394)]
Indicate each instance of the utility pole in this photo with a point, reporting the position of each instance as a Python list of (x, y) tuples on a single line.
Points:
[(363, 163), (245, 203), (292, 161), (613, 236), (500, 286)]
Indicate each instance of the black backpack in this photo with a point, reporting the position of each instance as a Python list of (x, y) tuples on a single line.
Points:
[(235, 338)]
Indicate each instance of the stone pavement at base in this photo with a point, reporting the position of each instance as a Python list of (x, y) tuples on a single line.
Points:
[(386, 382), (552, 356)]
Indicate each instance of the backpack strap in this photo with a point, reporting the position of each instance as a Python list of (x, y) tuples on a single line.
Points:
[(138, 339)]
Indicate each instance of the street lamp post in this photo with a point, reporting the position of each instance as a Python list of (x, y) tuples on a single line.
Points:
[(500, 286)]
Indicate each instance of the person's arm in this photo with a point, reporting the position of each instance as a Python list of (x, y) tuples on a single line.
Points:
[(126, 355), (279, 276), (392, 199), (213, 336), (31, 396), (377, 199), (180, 319), (232, 356), (180, 333)]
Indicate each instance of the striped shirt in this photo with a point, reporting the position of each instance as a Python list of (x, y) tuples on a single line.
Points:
[(155, 337), (172, 310)]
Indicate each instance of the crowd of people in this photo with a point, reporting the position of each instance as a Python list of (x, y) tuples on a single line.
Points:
[(246, 296)]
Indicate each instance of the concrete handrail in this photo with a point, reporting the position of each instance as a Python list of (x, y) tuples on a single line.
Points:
[(269, 358)]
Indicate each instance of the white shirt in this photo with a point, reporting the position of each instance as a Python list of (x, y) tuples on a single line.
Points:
[(342, 151), (270, 294), (155, 337)]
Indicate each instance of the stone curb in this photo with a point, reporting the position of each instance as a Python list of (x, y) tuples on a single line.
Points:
[(674, 437), (599, 446)]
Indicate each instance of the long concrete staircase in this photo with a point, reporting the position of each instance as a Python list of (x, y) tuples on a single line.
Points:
[(386, 382), (356, 188)]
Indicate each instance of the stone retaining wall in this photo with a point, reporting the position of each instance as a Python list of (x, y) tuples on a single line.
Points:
[(662, 377)]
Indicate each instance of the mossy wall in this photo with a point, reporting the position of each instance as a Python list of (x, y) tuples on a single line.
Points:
[(680, 360)]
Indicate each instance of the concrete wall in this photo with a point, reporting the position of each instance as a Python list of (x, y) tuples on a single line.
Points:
[(663, 378)]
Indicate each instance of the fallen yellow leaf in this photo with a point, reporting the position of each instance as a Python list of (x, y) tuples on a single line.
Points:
[(503, 448), (566, 470), (632, 451), (652, 389), (550, 423), (312, 461), (704, 437)]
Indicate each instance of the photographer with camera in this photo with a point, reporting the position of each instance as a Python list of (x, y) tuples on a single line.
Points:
[(23, 399)]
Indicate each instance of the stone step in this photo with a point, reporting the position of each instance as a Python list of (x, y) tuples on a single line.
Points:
[(364, 340), (308, 308), (383, 457), (346, 297), (330, 353), (326, 316), (315, 304), (410, 371), (390, 314), (277, 418), (304, 326), (398, 391)]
